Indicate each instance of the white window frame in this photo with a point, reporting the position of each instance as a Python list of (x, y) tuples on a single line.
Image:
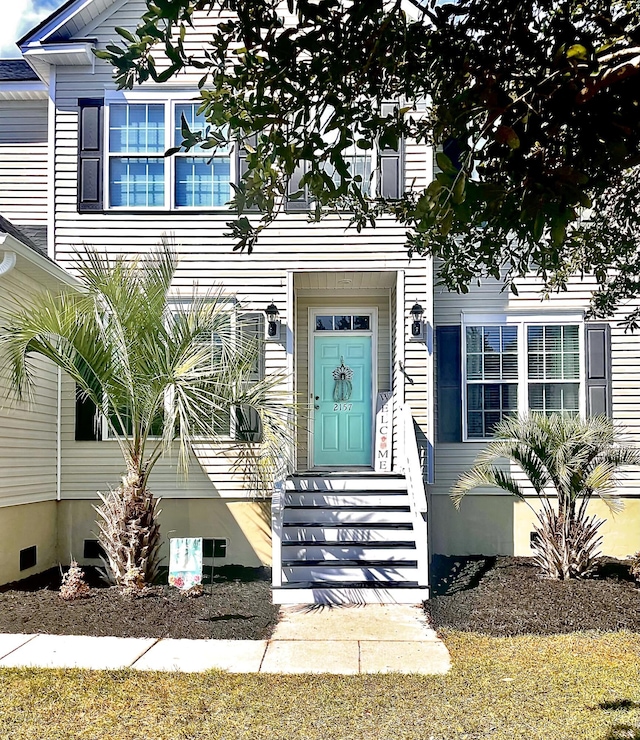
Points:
[(522, 321), (169, 100)]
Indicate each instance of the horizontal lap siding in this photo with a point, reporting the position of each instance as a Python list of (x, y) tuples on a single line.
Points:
[(28, 431), (453, 459), (23, 161), (207, 257)]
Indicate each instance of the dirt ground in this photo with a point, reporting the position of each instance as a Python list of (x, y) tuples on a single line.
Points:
[(504, 596), (236, 606), (496, 596)]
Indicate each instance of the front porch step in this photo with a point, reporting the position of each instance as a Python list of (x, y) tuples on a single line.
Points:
[(343, 483), (348, 538), (347, 499), (368, 594), (401, 551), (347, 533), (348, 573), (370, 517)]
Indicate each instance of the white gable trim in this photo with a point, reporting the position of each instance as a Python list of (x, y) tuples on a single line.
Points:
[(59, 19), (9, 243)]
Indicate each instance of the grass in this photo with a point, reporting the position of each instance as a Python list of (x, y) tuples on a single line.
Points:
[(565, 687)]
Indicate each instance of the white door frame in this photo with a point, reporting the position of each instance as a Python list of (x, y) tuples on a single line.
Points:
[(332, 310)]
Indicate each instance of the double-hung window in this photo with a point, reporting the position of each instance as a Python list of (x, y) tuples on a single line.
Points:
[(139, 176), (492, 377), (513, 365)]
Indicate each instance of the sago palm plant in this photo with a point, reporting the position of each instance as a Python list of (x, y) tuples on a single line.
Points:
[(567, 461), (162, 375)]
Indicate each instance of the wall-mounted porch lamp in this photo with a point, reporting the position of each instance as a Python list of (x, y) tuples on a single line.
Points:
[(273, 321), (417, 327)]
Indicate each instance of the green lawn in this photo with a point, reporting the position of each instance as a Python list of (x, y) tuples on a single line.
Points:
[(558, 688)]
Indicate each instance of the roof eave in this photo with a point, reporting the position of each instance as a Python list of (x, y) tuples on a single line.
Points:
[(10, 243)]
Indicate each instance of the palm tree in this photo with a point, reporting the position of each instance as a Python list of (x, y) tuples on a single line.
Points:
[(160, 374), (566, 461)]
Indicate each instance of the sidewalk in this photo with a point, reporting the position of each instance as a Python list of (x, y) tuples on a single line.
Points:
[(344, 640)]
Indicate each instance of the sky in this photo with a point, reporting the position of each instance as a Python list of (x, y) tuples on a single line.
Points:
[(18, 17)]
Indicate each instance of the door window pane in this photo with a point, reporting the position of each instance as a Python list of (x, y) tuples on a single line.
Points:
[(361, 323), (342, 323), (324, 323)]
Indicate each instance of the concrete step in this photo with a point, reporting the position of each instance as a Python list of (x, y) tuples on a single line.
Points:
[(351, 595), (360, 515), (348, 573), (348, 533), (402, 552), (366, 500), (333, 483)]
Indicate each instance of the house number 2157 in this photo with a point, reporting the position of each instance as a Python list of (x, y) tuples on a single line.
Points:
[(342, 406)]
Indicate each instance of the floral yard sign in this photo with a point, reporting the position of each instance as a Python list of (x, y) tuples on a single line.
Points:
[(185, 562)]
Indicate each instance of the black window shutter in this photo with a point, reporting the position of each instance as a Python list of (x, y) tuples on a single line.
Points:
[(391, 174), (449, 383), (302, 201), (88, 428), (90, 154), (248, 425), (598, 369)]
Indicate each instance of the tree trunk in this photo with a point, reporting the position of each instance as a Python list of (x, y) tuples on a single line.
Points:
[(130, 534)]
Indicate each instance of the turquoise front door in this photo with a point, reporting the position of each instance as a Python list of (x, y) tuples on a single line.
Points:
[(342, 392)]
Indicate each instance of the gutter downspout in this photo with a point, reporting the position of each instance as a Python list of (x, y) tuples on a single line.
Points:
[(8, 263)]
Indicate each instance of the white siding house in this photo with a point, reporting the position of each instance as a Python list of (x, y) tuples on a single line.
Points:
[(76, 170), (29, 429)]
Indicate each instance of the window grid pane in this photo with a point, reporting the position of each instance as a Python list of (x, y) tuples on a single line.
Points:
[(492, 352), (200, 183), (136, 183), (136, 129), (553, 352), (196, 123), (554, 398), (487, 405)]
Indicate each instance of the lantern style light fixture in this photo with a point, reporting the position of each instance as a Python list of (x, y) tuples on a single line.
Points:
[(416, 314), (273, 321)]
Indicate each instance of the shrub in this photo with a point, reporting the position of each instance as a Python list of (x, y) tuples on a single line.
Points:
[(567, 460), (73, 584)]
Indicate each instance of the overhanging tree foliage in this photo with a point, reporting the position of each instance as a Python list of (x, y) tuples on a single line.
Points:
[(536, 103)]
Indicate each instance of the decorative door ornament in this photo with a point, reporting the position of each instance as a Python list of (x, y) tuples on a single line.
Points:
[(343, 388)]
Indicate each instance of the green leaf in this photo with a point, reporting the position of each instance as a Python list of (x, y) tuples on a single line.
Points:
[(125, 34), (577, 51), (445, 164)]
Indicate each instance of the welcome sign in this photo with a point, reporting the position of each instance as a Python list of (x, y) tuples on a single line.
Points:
[(383, 459)]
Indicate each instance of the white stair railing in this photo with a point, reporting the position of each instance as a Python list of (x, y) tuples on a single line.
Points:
[(409, 458), (277, 508)]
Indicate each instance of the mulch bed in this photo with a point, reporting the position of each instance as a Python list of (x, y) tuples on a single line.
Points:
[(498, 596), (504, 596), (236, 606)]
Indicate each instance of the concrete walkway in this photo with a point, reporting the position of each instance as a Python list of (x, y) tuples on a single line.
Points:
[(341, 640)]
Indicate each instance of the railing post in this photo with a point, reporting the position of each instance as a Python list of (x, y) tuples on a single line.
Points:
[(417, 493), (277, 506)]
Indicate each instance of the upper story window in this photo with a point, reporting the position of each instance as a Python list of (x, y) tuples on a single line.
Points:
[(121, 162), (520, 366), (140, 176)]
